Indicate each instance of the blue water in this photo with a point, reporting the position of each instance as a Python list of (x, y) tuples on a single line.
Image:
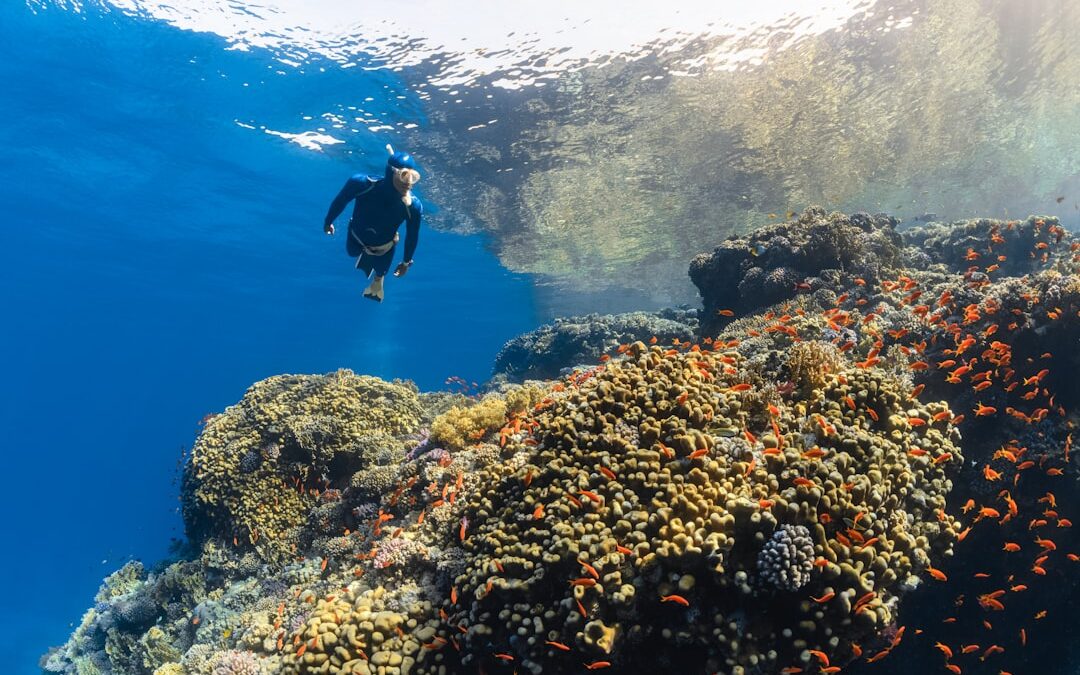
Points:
[(161, 249), (156, 259)]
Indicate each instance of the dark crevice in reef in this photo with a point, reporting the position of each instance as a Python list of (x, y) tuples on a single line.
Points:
[(858, 448)]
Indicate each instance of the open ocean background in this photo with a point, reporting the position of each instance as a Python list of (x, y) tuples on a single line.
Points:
[(166, 168), (158, 259)]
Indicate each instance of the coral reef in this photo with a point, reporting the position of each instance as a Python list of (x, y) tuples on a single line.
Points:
[(787, 558), (775, 262), (661, 541), (548, 351), (766, 495), (257, 468)]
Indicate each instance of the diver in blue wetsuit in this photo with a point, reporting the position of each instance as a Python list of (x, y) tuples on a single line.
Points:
[(381, 206)]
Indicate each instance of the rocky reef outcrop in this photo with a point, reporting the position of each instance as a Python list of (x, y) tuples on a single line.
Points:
[(548, 351), (779, 261), (767, 494)]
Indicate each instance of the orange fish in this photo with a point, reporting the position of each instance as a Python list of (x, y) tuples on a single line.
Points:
[(591, 495), (1046, 544), (597, 664), (557, 645), (820, 656), (880, 655), (590, 569), (937, 574), (676, 599), (863, 601)]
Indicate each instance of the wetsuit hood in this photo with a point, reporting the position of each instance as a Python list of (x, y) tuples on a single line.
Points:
[(399, 160)]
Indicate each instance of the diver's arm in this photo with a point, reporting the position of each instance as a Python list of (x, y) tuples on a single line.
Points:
[(412, 229), (352, 189)]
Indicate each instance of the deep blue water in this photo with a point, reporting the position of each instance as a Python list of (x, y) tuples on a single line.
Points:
[(156, 259)]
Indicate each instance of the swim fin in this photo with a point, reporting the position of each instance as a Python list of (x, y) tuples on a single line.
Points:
[(374, 291)]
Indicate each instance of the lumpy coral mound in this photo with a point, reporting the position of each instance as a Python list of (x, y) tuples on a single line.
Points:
[(668, 514), (258, 468)]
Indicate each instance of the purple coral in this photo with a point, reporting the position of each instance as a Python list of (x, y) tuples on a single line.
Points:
[(395, 552), (235, 662), (438, 455), (423, 437)]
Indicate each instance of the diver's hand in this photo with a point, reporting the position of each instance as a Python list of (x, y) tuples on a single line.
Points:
[(402, 268), (329, 229)]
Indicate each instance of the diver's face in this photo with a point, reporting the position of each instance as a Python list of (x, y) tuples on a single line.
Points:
[(405, 179)]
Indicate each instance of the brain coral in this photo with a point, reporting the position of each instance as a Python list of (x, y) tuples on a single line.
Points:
[(305, 430), (623, 549)]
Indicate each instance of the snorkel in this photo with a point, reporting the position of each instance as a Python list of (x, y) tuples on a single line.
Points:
[(402, 173)]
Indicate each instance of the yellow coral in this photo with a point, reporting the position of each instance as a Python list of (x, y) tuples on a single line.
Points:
[(811, 362), (460, 425)]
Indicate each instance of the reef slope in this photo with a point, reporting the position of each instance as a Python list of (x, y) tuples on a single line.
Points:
[(859, 413)]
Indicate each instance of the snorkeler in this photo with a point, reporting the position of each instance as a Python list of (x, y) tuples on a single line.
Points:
[(381, 205)]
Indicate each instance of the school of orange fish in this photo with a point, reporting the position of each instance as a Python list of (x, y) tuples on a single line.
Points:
[(962, 340)]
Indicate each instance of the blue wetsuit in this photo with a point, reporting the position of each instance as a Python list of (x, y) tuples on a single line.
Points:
[(377, 214)]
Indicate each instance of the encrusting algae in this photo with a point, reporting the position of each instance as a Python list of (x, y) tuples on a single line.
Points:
[(760, 500)]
